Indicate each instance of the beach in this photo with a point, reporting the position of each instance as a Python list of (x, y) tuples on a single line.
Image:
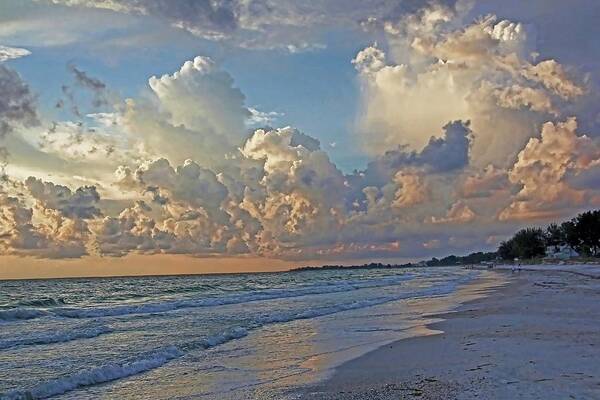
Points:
[(537, 337), (426, 333)]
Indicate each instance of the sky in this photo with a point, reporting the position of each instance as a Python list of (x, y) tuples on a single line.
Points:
[(184, 136)]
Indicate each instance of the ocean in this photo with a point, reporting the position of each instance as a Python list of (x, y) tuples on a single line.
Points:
[(234, 336)]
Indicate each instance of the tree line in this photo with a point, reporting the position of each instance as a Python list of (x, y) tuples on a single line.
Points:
[(580, 234)]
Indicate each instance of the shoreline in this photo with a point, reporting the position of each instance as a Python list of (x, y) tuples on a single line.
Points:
[(536, 337)]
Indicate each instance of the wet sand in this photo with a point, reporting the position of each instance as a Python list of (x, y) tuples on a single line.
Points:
[(537, 337)]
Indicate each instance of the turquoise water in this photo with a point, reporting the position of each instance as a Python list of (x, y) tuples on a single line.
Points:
[(209, 336)]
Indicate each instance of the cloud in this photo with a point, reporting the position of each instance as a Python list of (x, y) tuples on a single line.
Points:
[(194, 213), (434, 72), (262, 118), (10, 53), (52, 236), (77, 142), (485, 183), (299, 198), (545, 168), (205, 18), (188, 183), (82, 203), (459, 213), (131, 231), (466, 129), (195, 113), (17, 103), (288, 25), (411, 190), (17, 107), (95, 85), (200, 96), (441, 155)]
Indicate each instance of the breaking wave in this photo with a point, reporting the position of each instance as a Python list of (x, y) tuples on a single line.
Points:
[(166, 306), (57, 337)]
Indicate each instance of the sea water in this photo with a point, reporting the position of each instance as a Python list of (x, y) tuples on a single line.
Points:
[(234, 336)]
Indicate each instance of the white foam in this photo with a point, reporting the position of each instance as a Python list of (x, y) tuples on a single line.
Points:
[(57, 337), (114, 371), (150, 308), (105, 373)]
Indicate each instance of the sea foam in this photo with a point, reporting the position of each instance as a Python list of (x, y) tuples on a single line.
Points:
[(166, 306), (102, 374), (85, 332), (119, 370)]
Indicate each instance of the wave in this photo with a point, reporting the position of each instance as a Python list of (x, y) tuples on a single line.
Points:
[(87, 332), (152, 308), (102, 374), (160, 357), (21, 313), (118, 370), (43, 302)]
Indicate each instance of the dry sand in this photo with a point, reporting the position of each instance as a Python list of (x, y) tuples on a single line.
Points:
[(536, 338)]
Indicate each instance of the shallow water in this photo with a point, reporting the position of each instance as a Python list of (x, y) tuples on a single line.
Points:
[(210, 336)]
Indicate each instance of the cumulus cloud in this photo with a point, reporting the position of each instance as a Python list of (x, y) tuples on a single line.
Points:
[(485, 183), (544, 170), (262, 118), (131, 231), (458, 213), (78, 204), (411, 190), (434, 72), (201, 96), (301, 192), (442, 155), (195, 113), (39, 231)]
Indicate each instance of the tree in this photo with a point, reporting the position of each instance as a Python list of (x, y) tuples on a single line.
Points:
[(506, 251), (569, 232), (527, 243), (554, 236), (587, 226)]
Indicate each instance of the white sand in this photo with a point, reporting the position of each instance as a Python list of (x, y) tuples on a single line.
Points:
[(536, 338)]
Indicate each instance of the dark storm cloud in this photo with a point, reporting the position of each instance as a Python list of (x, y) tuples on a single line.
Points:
[(440, 155), (447, 154)]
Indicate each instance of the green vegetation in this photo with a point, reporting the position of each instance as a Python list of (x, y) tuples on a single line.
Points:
[(473, 258), (581, 234)]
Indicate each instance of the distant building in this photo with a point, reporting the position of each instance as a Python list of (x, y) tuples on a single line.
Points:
[(560, 253)]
